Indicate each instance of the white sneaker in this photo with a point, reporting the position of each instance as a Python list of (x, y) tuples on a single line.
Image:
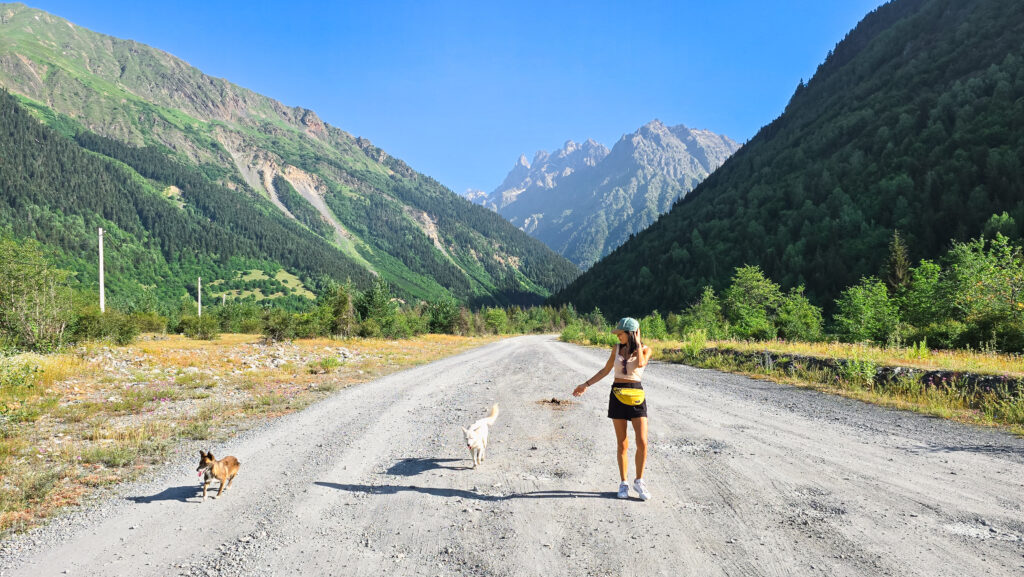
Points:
[(623, 490), (641, 489)]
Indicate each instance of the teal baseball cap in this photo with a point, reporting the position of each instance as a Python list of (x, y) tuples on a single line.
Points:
[(626, 324)]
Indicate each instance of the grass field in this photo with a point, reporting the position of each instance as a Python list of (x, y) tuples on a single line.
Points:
[(76, 421), (285, 278)]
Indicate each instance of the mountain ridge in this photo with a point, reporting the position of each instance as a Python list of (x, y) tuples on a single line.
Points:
[(369, 202), (584, 200)]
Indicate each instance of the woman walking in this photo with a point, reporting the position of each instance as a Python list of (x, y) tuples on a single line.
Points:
[(627, 403)]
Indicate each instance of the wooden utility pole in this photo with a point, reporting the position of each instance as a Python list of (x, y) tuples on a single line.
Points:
[(103, 299), (199, 293)]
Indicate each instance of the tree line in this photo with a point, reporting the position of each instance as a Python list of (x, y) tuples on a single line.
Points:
[(972, 297), (39, 310)]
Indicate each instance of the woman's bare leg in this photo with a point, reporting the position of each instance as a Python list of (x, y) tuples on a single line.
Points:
[(640, 428), (623, 445)]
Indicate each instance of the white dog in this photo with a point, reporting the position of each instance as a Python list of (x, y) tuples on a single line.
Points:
[(476, 436)]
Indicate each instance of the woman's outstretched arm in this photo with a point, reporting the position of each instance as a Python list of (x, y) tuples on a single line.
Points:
[(597, 376)]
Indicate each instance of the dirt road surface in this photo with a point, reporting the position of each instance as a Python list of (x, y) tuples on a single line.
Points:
[(748, 477)]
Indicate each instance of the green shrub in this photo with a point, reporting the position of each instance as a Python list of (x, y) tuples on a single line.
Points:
[(599, 336), (923, 303), (119, 328), (858, 372), (866, 313), (653, 326), (694, 344), (706, 315), (376, 303), (798, 319), (17, 383), (496, 320), (324, 365), (251, 325), (199, 430), (237, 316), (278, 325), (15, 375), (596, 318), (567, 314), (370, 329), (206, 327), (86, 324), (398, 328), (309, 325), (418, 321), (985, 283), (35, 301), (444, 315), (751, 304), (149, 322), (464, 322), (572, 333), (942, 335), (112, 326), (36, 486), (339, 310)]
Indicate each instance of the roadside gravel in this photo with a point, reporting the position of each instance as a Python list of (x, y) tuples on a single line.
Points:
[(749, 478)]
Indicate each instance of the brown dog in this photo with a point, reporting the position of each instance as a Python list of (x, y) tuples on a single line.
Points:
[(223, 470)]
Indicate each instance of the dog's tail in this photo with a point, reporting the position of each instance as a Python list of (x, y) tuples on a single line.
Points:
[(493, 415)]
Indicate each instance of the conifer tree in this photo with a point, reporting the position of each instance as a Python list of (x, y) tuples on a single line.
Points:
[(897, 266)]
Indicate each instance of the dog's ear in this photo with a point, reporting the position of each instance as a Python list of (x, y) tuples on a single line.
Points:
[(202, 453)]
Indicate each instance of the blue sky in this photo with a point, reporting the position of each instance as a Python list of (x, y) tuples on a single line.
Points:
[(460, 89)]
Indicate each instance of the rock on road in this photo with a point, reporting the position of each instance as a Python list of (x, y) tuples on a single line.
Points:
[(749, 478)]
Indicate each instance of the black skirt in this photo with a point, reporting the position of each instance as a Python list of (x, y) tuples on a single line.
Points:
[(617, 410)]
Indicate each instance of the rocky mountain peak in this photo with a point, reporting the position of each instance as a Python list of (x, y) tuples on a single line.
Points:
[(584, 200), (653, 128), (312, 122), (477, 196), (546, 170)]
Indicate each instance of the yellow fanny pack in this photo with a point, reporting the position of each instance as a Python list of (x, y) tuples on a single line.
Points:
[(628, 396)]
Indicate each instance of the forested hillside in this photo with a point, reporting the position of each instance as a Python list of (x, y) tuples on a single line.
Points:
[(914, 122), (239, 177), (53, 190)]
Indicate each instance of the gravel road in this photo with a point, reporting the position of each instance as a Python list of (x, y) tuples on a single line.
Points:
[(748, 477)]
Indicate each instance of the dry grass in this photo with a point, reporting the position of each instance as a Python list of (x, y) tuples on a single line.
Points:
[(958, 360), (949, 404), (909, 393), (75, 421)]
